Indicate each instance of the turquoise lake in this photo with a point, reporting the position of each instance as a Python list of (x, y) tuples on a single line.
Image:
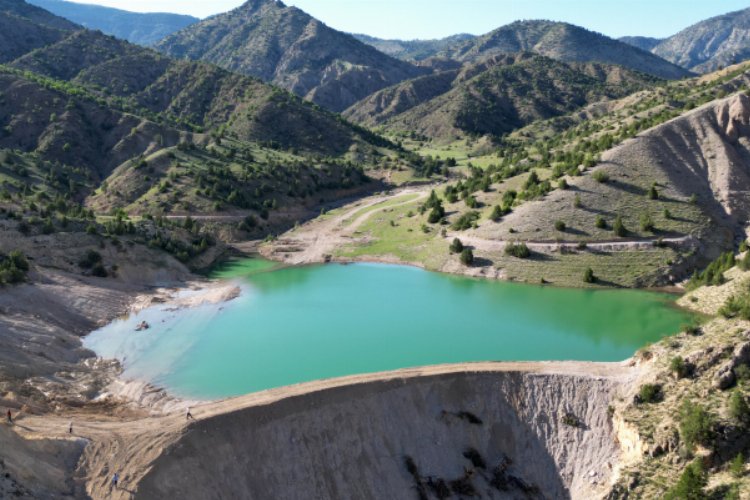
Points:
[(299, 324)]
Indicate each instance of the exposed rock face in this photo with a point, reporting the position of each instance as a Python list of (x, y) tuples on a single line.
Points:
[(283, 45), (710, 44), (502, 435)]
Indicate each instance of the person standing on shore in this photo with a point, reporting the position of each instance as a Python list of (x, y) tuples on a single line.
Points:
[(115, 480), (188, 415), (70, 427), (10, 417)]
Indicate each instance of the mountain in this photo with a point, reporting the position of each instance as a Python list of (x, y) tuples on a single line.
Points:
[(494, 97), (143, 29), (117, 126), (642, 42), (710, 44), (285, 46), (414, 50), (24, 28), (563, 42)]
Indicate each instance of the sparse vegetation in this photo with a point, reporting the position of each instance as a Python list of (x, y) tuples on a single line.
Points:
[(518, 250)]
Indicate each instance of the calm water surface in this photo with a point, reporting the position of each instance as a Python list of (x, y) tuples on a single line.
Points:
[(306, 323)]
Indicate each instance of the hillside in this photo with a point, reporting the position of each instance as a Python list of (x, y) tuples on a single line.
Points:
[(711, 44), (494, 97), (642, 42), (143, 29), (24, 28), (414, 50), (563, 42), (285, 46)]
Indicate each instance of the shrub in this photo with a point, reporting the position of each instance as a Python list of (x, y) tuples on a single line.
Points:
[(667, 214), (600, 222), (91, 258), (588, 276), (690, 485), (497, 213), (619, 227), (467, 257), (99, 271), (650, 393), (738, 407), (562, 184), (436, 215), (560, 226), (518, 250), (696, 425), (678, 366), (737, 466), (456, 246), (653, 193), (466, 221), (601, 176), (13, 268), (736, 307), (577, 201), (744, 263), (647, 224)]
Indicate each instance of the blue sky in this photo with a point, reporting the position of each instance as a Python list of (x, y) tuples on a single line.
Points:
[(409, 19)]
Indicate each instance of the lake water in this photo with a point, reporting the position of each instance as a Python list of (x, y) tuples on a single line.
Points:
[(300, 324)]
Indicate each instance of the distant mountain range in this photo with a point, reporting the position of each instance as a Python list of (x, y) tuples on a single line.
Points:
[(143, 29), (414, 50)]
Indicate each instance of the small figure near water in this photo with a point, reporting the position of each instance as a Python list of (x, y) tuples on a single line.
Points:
[(70, 427), (142, 326), (115, 480), (10, 417), (188, 415)]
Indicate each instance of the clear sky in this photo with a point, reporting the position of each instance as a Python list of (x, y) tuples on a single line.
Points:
[(409, 19)]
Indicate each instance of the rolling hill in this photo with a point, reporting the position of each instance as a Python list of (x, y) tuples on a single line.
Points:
[(494, 97), (285, 46), (143, 29)]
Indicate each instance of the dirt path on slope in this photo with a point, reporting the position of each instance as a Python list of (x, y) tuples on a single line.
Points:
[(602, 246), (316, 240)]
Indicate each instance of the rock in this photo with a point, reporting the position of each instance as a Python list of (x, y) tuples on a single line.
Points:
[(725, 377), (741, 354)]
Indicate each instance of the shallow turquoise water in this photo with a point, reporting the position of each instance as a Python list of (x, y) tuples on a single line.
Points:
[(306, 323)]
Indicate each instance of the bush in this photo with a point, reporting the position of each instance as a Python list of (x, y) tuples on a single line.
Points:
[(497, 213), (467, 257), (560, 226), (647, 224), (653, 193), (713, 275), (696, 425), (738, 408), (650, 393), (667, 214), (466, 221), (737, 466), (456, 246), (13, 268), (99, 271), (601, 176), (736, 307), (577, 203), (562, 184), (690, 485), (436, 215), (678, 366), (518, 250), (91, 258), (588, 276), (619, 227), (600, 222)]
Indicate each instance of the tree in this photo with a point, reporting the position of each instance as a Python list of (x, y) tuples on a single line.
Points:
[(456, 246), (647, 224), (738, 408), (497, 213), (691, 484), (619, 227), (696, 425), (653, 193), (467, 257), (518, 250), (560, 226), (588, 276), (436, 214), (600, 222)]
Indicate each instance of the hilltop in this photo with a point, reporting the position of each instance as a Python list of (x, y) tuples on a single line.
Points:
[(143, 29), (414, 50), (285, 46)]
